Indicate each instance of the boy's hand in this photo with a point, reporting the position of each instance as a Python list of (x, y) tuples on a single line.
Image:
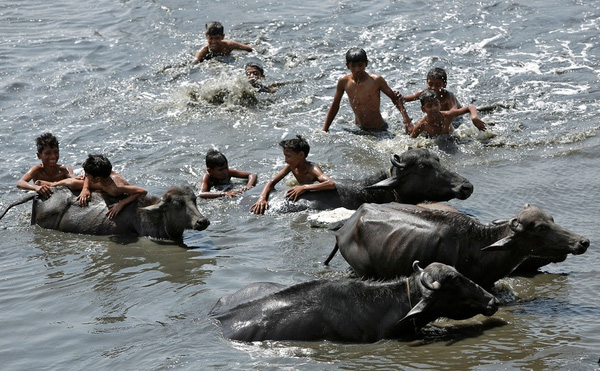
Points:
[(44, 190), (293, 193), (479, 124), (84, 197), (260, 206), (114, 209)]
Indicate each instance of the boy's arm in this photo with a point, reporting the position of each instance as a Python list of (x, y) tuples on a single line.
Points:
[(408, 126), (204, 189), (23, 183), (455, 112), (335, 105), (252, 177), (385, 88), (412, 97), (133, 194), (418, 128), (262, 204), (85, 195), (201, 54), (325, 183), (234, 45)]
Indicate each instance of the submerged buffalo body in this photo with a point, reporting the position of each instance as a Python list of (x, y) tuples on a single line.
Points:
[(415, 176), (381, 241), (351, 310), (165, 218)]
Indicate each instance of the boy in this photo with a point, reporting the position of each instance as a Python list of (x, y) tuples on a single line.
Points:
[(99, 176), (219, 174), (49, 170), (436, 81), (306, 173), (435, 121), (255, 73), (363, 91), (217, 46)]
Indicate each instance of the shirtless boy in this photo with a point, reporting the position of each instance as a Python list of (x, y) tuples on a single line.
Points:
[(363, 91), (306, 173), (99, 176), (217, 46), (48, 171), (436, 81), (435, 121), (219, 175)]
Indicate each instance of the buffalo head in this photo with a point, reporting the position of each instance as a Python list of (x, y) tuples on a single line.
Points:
[(178, 211), (535, 230), (417, 176), (447, 293)]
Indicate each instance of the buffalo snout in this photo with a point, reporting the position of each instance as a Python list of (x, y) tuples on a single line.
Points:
[(201, 224), (581, 246), (464, 190)]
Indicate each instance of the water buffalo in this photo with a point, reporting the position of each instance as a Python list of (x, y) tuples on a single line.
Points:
[(415, 176), (351, 310), (380, 241), (166, 218)]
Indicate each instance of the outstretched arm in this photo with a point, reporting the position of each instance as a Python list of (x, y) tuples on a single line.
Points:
[(234, 45), (335, 105), (408, 126), (244, 175), (42, 189), (474, 117), (261, 205), (133, 194)]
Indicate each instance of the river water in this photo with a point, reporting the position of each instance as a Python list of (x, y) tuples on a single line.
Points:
[(114, 77)]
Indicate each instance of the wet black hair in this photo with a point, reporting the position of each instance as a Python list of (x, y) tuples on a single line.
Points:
[(46, 140), (214, 28), (297, 144), (215, 158), (97, 165), (437, 73), (356, 55), (426, 96), (257, 66)]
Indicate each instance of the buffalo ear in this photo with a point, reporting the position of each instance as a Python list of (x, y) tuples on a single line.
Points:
[(500, 245), (416, 310)]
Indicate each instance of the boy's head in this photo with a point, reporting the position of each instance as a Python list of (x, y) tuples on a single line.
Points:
[(46, 140), (97, 166), (47, 149), (254, 71), (436, 79), (356, 55), (429, 101), (296, 145), (214, 29), (216, 164)]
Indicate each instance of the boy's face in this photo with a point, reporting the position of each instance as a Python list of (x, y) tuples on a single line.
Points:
[(49, 156), (219, 172), (293, 158), (253, 74), (214, 40), (431, 107), (436, 85), (357, 69)]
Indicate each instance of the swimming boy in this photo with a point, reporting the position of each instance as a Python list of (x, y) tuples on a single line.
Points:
[(436, 81), (254, 74), (217, 45), (99, 176), (219, 175), (306, 173), (363, 91), (48, 171), (435, 121)]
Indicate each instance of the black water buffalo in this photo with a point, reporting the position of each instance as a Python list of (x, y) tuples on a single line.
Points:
[(381, 241), (166, 218), (351, 310), (415, 176)]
